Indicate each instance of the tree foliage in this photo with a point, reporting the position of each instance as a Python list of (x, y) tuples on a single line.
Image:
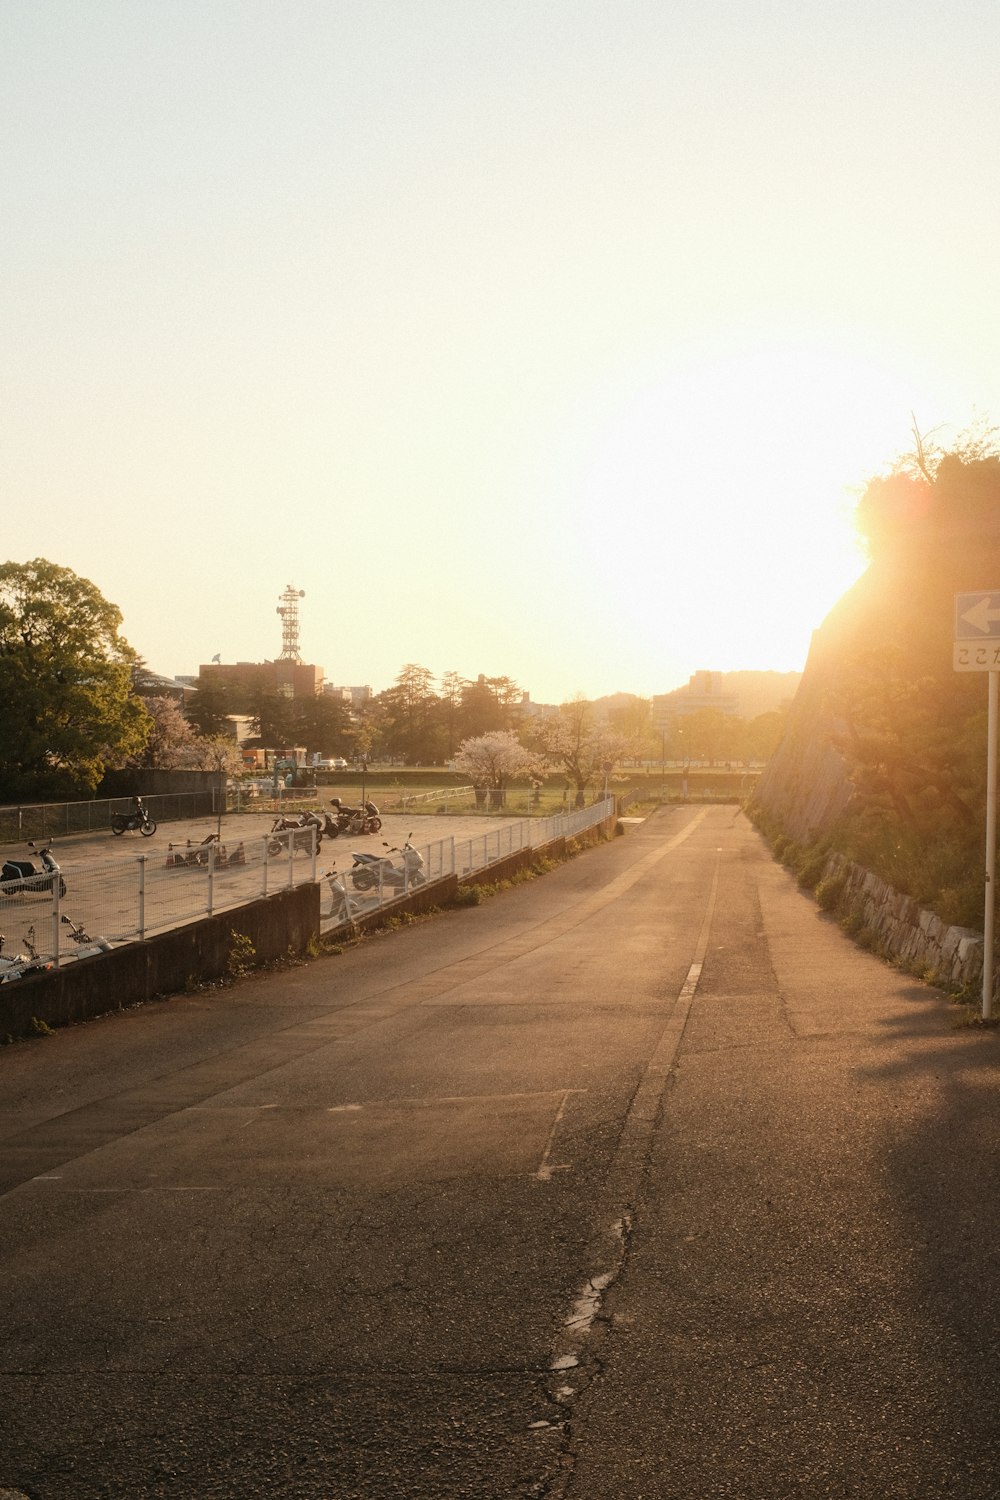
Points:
[(579, 741), (493, 760), (910, 729), (172, 741), (65, 683)]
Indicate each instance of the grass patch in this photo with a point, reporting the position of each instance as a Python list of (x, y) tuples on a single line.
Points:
[(242, 957)]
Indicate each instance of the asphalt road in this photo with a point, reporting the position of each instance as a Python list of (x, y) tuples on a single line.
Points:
[(635, 1181)]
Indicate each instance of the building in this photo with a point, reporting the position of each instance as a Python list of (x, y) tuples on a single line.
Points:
[(288, 679), (354, 697), (704, 690)]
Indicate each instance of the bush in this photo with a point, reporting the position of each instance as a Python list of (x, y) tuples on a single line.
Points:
[(242, 955), (467, 895), (829, 891), (812, 867)]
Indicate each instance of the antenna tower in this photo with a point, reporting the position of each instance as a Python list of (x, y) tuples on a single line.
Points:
[(288, 609)]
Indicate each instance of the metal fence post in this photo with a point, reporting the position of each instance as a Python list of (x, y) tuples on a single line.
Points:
[(142, 897), (267, 852), (211, 877), (55, 920)]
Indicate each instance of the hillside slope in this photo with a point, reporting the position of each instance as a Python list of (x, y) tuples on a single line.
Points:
[(883, 755)]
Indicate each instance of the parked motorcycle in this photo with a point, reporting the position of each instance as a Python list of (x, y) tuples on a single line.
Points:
[(370, 870), (301, 829), (13, 965), (340, 907), (86, 944), (328, 825), (356, 820), (20, 876), (138, 818)]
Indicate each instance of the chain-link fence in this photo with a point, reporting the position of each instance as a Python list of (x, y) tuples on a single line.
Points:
[(45, 821), (374, 881)]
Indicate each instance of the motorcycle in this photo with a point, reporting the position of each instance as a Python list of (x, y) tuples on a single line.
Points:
[(86, 944), (138, 818), (327, 825), (356, 820), (14, 965), (371, 870), (19, 876), (340, 907), (301, 829)]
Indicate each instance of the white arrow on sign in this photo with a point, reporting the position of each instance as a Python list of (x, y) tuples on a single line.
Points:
[(981, 616)]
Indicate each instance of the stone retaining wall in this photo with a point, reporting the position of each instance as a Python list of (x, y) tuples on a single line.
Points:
[(905, 931)]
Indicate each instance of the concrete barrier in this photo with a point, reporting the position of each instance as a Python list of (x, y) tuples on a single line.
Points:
[(200, 951)]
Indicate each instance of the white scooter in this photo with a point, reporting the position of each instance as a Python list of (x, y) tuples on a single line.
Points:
[(341, 907), (20, 876), (371, 870), (86, 944)]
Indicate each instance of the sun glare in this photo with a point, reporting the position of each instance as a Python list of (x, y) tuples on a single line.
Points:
[(731, 483)]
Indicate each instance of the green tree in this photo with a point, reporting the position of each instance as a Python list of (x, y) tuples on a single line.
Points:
[(411, 718), (272, 718), (632, 718), (65, 683), (320, 723), (763, 734), (489, 703), (450, 711), (210, 708)]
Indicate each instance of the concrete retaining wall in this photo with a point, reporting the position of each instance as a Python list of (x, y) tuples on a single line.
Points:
[(904, 931), (163, 965)]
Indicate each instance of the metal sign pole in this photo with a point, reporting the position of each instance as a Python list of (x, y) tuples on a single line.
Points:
[(991, 845)]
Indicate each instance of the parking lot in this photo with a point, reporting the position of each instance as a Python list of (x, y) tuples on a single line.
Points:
[(125, 887), (81, 849)]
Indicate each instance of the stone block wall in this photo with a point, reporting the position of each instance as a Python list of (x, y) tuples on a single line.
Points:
[(902, 930)]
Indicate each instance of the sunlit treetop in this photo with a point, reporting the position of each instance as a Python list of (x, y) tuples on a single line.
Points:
[(935, 495)]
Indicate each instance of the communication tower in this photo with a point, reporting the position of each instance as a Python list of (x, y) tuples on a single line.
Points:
[(288, 609)]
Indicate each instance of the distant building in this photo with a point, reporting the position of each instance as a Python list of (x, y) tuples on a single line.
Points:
[(354, 697), (153, 685), (704, 690), (290, 679), (744, 693)]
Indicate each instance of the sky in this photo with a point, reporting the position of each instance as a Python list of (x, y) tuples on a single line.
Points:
[(551, 339)]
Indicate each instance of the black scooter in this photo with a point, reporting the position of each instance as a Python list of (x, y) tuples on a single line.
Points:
[(20, 876)]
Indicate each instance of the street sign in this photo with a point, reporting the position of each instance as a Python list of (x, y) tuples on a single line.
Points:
[(977, 632), (968, 657), (977, 616)]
